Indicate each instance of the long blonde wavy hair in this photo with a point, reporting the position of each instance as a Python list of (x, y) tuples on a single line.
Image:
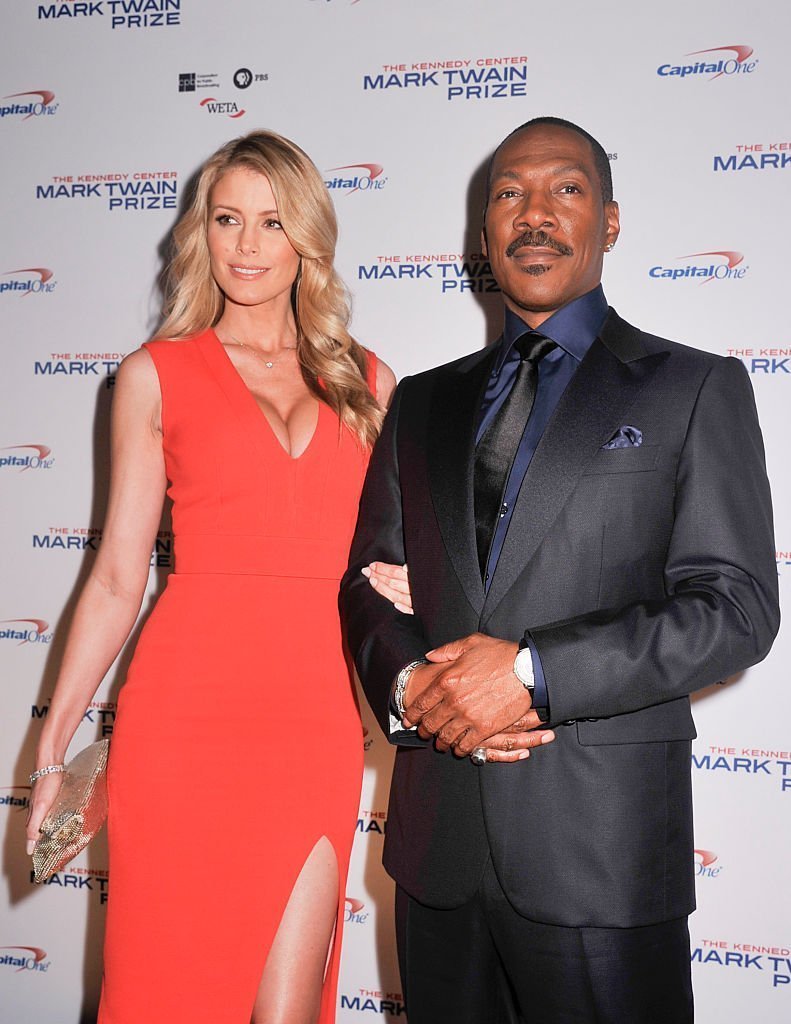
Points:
[(333, 364)]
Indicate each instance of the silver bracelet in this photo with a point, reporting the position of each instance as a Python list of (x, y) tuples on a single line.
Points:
[(50, 769), (402, 679)]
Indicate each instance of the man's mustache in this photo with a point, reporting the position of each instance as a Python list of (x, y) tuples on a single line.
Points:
[(538, 239)]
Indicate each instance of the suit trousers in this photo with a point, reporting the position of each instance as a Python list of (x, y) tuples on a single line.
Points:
[(483, 963)]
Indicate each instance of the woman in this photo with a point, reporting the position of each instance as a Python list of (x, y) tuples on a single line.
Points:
[(236, 759)]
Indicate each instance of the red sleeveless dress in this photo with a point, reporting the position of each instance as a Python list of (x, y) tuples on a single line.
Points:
[(238, 742)]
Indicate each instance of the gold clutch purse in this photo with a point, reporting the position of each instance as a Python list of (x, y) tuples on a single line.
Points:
[(77, 814)]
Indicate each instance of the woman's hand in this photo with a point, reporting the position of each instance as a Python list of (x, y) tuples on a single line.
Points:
[(392, 582), (43, 796)]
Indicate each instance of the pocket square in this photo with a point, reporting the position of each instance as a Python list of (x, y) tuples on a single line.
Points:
[(625, 437)]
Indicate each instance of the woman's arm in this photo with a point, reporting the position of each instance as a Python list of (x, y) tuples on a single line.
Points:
[(110, 600)]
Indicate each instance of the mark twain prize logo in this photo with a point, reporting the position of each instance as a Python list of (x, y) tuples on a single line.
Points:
[(22, 460), (82, 365), (121, 191), (712, 265), (475, 78), (355, 178), (88, 538), (101, 713), (28, 281), (764, 360), (773, 962), (369, 1000), (84, 880), (372, 821), (25, 631), (120, 13), (755, 156), (24, 958), (712, 63), (27, 106), (747, 762), (454, 273)]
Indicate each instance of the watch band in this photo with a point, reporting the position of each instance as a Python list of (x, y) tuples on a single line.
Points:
[(402, 679)]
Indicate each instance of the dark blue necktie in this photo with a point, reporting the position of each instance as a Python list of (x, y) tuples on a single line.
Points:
[(497, 448)]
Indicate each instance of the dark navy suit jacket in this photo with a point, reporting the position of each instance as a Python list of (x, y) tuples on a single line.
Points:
[(643, 574)]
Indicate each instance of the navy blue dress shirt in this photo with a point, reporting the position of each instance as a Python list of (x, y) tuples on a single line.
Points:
[(573, 328)]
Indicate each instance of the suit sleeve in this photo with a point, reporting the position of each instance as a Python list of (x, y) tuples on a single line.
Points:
[(720, 613), (382, 640)]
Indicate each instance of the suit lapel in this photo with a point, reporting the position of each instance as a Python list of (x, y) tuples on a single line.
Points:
[(451, 449), (594, 405)]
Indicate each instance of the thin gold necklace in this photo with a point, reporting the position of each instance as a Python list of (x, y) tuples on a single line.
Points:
[(268, 363)]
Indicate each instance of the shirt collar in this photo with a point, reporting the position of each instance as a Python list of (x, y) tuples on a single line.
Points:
[(573, 328)]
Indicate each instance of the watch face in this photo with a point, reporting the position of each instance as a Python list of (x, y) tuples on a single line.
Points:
[(523, 668)]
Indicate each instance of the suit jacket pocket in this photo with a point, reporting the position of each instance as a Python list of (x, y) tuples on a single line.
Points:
[(625, 460), (662, 722)]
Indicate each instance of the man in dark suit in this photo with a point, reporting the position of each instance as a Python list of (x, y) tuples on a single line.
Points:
[(586, 516)]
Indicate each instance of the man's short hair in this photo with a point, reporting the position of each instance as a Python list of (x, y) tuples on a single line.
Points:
[(600, 159)]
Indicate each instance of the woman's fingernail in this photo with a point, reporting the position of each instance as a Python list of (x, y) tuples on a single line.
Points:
[(30, 847), (366, 571), (547, 737), (523, 754)]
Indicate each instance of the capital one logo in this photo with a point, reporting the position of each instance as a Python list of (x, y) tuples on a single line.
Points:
[(26, 958), (739, 64), (353, 911), (711, 265), (704, 864), (28, 281), (355, 178)]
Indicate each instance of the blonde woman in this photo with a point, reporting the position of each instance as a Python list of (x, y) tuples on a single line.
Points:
[(237, 757)]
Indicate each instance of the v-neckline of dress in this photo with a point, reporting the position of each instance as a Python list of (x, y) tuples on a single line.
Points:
[(256, 410)]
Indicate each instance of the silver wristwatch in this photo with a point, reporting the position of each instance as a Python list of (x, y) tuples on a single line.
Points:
[(523, 667)]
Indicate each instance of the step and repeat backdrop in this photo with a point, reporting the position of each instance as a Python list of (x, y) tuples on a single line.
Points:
[(108, 107)]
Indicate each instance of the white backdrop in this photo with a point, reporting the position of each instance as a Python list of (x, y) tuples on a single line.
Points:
[(106, 110)]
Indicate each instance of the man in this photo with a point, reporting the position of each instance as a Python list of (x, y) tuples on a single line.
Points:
[(586, 516)]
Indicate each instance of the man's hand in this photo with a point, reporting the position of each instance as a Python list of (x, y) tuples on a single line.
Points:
[(469, 694)]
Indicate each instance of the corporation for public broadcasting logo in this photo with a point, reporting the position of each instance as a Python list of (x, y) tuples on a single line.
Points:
[(25, 631), (22, 463), (712, 265), (25, 107), (715, 66), (28, 281), (355, 178), (24, 958)]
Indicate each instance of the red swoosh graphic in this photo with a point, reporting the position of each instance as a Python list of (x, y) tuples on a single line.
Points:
[(734, 258), (46, 96), (354, 905), (706, 857), (237, 115), (42, 449), (38, 954), (742, 53), (44, 272), (41, 627)]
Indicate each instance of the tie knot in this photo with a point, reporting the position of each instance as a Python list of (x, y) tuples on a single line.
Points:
[(533, 346)]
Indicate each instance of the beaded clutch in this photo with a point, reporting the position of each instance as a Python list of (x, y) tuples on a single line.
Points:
[(77, 814)]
